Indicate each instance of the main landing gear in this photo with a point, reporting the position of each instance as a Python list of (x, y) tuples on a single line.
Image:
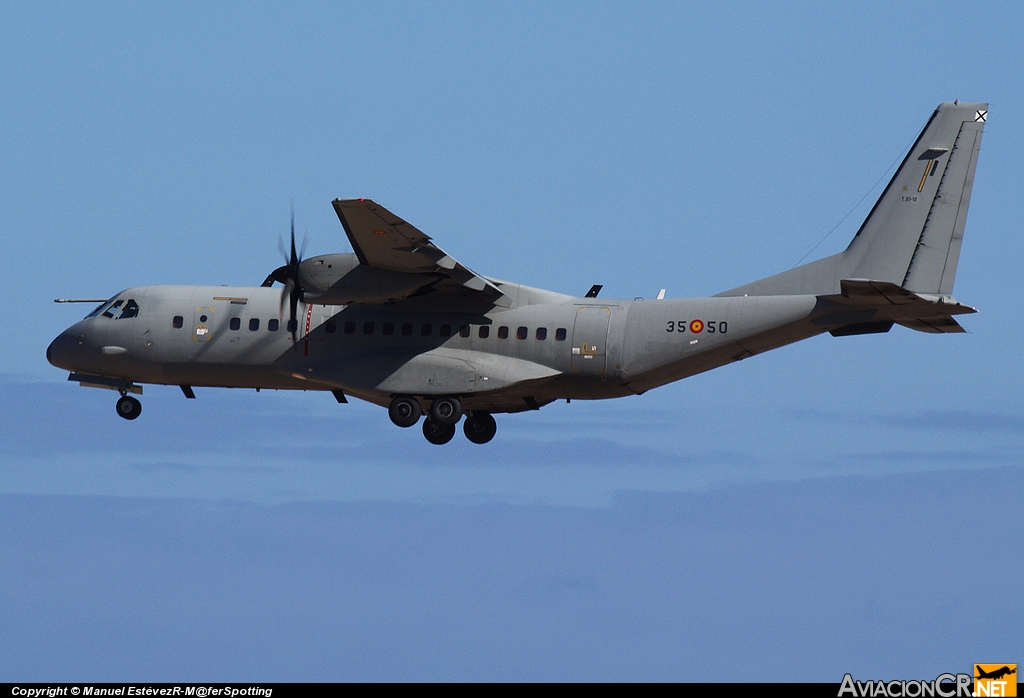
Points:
[(404, 411), (442, 417), (438, 434), (480, 427), (128, 407)]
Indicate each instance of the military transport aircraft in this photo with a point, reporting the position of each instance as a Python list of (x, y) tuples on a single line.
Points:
[(401, 324)]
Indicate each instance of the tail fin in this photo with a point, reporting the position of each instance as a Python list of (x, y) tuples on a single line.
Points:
[(913, 234)]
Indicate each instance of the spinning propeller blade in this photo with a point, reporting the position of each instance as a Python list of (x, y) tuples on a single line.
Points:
[(289, 276)]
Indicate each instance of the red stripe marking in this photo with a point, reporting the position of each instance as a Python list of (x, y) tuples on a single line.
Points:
[(309, 316)]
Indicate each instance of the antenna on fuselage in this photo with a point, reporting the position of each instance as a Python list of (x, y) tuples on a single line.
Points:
[(594, 290)]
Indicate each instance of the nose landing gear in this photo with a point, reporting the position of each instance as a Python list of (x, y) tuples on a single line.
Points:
[(128, 407)]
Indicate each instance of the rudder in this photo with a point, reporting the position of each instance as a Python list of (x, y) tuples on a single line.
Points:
[(933, 266)]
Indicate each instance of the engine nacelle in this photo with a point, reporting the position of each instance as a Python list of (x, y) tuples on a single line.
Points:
[(339, 279)]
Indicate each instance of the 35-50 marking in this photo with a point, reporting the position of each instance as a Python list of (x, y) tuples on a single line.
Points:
[(698, 326)]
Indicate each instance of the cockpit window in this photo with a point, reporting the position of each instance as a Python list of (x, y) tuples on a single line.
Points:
[(121, 309), (101, 307), (112, 310), (131, 309)]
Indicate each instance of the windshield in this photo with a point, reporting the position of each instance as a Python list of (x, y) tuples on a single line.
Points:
[(112, 310), (131, 309), (101, 307), (120, 309)]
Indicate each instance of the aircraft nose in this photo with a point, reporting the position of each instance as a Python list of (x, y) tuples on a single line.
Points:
[(62, 350)]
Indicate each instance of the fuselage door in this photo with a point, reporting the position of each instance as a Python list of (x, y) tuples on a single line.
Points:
[(202, 324), (590, 340)]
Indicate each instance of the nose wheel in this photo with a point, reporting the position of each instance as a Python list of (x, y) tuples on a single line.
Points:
[(128, 407)]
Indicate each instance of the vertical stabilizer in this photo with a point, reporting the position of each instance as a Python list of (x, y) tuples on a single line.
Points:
[(932, 267), (912, 235)]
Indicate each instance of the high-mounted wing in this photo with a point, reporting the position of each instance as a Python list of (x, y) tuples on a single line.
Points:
[(382, 240)]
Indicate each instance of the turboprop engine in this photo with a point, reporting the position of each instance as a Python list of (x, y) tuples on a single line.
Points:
[(339, 279)]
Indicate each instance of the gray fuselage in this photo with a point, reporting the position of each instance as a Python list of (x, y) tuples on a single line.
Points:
[(545, 347)]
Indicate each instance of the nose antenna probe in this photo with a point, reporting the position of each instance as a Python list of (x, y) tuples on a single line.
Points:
[(79, 300)]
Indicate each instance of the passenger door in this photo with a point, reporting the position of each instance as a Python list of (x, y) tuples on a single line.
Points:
[(590, 340)]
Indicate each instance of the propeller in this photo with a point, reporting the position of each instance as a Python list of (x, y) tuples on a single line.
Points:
[(288, 274)]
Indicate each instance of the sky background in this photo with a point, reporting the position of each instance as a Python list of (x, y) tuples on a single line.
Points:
[(843, 504)]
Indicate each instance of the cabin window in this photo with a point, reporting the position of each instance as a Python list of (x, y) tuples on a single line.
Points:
[(254, 324), (485, 331), (131, 309), (330, 327), (464, 331), (388, 328), (368, 328), (109, 312), (446, 330), (178, 322), (235, 323), (350, 327), (560, 334), (272, 325), (406, 329), (426, 329), (522, 333), (202, 318), (503, 332), (542, 333)]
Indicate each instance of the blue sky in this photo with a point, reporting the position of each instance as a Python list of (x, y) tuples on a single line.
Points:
[(642, 146)]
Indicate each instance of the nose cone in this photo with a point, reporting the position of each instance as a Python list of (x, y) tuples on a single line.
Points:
[(63, 350)]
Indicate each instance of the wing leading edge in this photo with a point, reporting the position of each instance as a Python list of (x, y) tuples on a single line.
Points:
[(382, 240)]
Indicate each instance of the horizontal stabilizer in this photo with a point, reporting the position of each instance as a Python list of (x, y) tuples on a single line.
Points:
[(864, 292), (939, 325), (866, 306), (861, 328)]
